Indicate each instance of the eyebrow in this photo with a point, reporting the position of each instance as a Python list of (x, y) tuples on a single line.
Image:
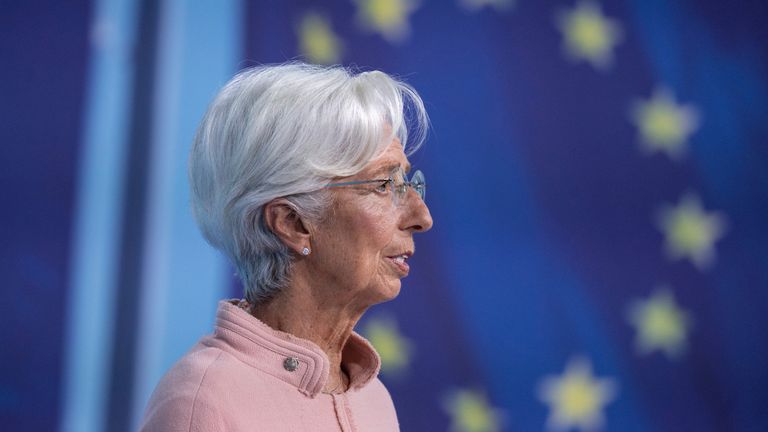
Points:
[(389, 167)]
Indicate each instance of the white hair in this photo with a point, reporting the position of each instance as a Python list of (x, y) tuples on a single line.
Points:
[(286, 131)]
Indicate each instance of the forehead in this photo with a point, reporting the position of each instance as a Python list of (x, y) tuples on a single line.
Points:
[(391, 158)]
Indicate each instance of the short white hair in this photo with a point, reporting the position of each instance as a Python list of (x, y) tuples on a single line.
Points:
[(285, 131)]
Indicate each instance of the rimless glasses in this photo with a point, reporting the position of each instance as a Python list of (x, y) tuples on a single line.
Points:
[(398, 183)]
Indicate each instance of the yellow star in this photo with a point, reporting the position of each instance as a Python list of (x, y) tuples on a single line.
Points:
[(660, 324), (474, 5), (317, 42), (386, 17), (664, 125), (393, 348), (576, 399), (470, 412), (589, 35), (691, 233)]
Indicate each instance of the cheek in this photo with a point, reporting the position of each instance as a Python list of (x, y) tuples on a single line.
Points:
[(379, 230), (361, 236)]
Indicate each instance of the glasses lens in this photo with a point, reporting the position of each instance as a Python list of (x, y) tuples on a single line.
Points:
[(399, 186), (419, 184)]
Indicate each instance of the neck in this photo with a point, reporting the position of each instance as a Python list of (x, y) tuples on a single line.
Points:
[(308, 314)]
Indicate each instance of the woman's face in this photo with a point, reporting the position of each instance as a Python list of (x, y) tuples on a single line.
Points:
[(358, 251)]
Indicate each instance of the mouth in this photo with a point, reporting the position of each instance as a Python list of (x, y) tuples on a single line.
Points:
[(400, 262)]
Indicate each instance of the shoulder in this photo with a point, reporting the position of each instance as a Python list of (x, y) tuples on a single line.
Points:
[(212, 389), (374, 407), (186, 398), (377, 392)]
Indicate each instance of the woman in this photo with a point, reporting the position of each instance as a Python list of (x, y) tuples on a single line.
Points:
[(298, 175)]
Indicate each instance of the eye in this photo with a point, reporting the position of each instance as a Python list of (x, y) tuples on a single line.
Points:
[(382, 187)]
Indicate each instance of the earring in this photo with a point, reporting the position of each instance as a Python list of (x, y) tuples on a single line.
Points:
[(305, 251)]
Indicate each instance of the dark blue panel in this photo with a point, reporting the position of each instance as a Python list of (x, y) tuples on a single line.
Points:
[(44, 52)]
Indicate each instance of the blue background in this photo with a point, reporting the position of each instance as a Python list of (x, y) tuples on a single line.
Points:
[(543, 204)]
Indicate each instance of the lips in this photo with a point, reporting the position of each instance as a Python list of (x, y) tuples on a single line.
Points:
[(400, 262)]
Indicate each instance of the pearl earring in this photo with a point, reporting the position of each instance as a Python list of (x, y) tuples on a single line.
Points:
[(305, 251)]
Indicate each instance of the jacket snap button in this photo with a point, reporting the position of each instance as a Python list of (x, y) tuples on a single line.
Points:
[(291, 364)]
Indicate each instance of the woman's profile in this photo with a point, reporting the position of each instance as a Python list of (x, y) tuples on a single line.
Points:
[(300, 176)]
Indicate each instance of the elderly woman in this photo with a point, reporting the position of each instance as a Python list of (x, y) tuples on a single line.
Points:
[(299, 175)]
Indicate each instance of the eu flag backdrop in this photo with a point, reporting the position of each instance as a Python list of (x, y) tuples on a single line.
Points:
[(597, 173)]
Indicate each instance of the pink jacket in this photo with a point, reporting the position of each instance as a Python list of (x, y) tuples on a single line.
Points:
[(249, 377)]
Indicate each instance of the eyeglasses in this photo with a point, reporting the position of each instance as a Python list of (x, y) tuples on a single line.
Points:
[(397, 182)]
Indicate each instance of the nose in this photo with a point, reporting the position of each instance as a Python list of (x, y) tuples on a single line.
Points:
[(416, 217)]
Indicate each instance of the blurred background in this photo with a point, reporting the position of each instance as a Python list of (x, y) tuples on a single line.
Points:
[(598, 177)]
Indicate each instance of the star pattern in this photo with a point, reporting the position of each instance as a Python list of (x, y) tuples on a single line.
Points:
[(660, 324), (393, 348), (663, 125), (690, 232), (389, 18), (576, 398), (471, 412), (317, 41), (589, 35)]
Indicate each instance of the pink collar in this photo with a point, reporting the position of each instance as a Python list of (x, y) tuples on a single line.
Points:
[(296, 361)]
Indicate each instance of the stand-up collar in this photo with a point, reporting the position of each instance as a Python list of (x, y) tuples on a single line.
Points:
[(296, 361)]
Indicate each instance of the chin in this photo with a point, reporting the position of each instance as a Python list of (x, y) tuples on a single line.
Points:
[(389, 292)]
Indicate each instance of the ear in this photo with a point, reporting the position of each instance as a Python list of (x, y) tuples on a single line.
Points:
[(285, 222)]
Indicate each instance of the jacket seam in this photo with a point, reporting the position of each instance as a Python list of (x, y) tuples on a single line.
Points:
[(348, 411), (197, 392)]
